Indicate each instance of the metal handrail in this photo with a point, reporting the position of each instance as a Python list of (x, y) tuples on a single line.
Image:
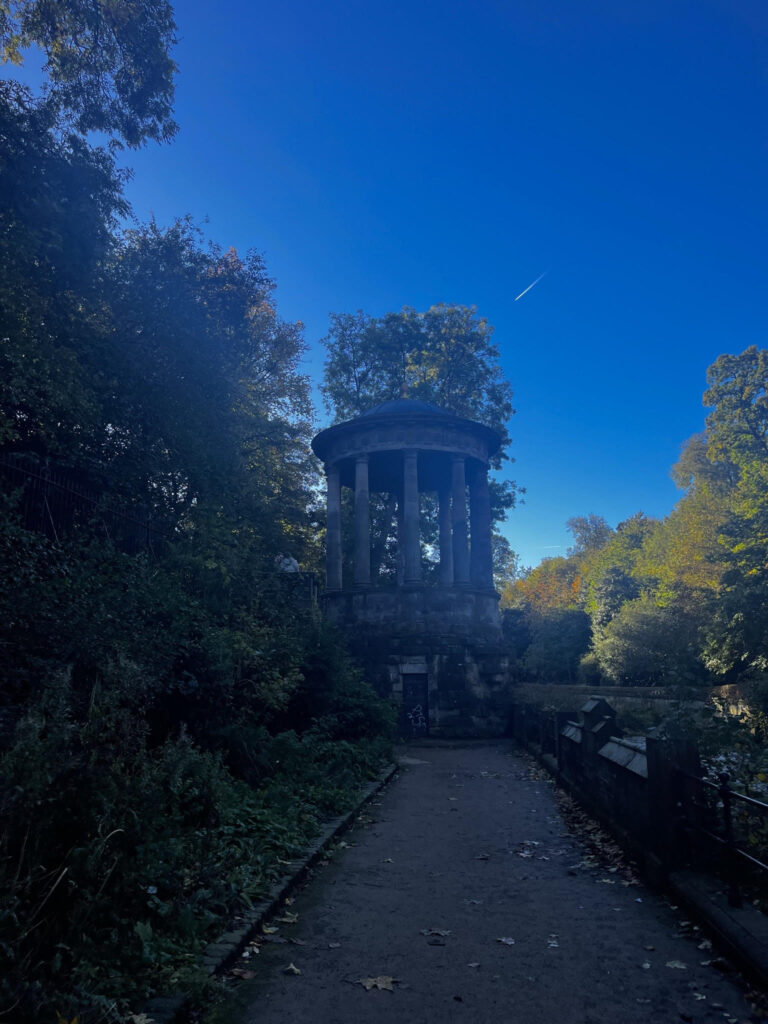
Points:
[(732, 851), (735, 795)]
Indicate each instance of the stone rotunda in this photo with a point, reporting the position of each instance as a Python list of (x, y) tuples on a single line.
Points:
[(433, 647)]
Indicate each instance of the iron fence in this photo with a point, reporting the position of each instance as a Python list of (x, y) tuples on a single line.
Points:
[(734, 830), (58, 500)]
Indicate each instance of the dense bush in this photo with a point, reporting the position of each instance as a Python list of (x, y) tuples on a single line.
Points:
[(158, 764)]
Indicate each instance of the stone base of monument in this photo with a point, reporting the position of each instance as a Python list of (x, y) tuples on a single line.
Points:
[(460, 609), (436, 653)]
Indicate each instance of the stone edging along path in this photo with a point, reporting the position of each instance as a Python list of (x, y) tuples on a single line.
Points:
[(222, 953)]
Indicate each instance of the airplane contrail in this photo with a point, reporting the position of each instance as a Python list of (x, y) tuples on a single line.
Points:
[(532, 285)]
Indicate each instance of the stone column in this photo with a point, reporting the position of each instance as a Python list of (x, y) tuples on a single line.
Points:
[(446, 541), (411, 517), (400, 555), (459, 520), (333, 530), (362, 523), (481, 559)]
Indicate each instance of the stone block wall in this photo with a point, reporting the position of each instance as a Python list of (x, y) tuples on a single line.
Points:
[(464, 682)]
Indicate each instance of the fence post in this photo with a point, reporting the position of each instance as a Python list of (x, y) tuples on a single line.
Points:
[(668, 804), (561, 720), (734, 892)]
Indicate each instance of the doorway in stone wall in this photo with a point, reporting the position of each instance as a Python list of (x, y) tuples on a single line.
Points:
[(414, 720)]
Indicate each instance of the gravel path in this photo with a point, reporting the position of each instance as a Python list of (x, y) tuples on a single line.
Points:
[(467, 842)]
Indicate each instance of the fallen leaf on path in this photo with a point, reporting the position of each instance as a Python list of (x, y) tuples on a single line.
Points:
[(291, 969), (645, 965), (651, 949), (473, 965), (268, 929), (506, 941), (699, 995), (288, 918), (383, 983), (334, 945), (298, 942), (387, 860), (289, 901), (241, 972), (552, 942), (482, 856), (705, 944), (677, 964), (434, 931)]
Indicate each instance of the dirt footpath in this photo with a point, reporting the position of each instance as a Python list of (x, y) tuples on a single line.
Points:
[(462, 885)]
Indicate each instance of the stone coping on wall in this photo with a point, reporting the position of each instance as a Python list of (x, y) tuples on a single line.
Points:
[(626, 755)]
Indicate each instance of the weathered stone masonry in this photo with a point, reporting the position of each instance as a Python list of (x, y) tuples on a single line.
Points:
[(435, 648)]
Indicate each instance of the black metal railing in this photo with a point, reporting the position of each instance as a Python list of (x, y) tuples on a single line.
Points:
[(56, 500), (734, 825)]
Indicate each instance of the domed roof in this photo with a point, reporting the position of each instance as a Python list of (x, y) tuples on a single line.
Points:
[(406, 406), (406, 423)]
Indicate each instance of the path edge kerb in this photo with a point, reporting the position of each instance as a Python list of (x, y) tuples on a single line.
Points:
[(222, 953)]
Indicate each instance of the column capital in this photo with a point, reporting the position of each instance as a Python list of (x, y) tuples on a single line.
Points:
[(361, 457)]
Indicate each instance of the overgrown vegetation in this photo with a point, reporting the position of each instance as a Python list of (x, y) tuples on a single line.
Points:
[(176, 720)]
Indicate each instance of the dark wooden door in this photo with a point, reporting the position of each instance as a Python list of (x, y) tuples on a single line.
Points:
[(415, 712)]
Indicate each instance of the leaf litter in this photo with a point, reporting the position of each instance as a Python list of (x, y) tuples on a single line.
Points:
[(384, 983)]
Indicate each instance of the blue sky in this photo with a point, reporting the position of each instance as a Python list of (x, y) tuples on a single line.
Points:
[(422, 152)]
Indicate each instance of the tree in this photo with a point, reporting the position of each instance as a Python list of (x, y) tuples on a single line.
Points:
[(59, 204), (107, 62), (614, 588), (559, 639), (589, 533), (737, 428), (551, 585), (444, 355), (738, 423), (646, 644)]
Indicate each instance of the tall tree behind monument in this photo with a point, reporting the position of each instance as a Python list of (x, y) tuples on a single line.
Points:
[(445, 355)]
